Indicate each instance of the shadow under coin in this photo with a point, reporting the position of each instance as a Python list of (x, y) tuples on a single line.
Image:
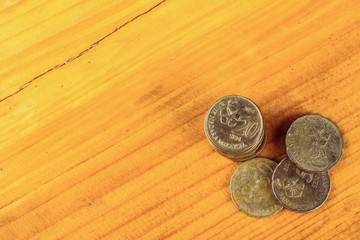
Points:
[(277, 127)]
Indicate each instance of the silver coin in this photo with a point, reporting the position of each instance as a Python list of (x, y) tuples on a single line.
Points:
[(314, 143), (234, 124), (297, 190)]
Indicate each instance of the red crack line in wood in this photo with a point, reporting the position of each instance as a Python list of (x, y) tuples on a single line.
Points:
[(25, 85)]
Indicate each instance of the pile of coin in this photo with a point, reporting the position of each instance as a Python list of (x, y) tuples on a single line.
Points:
[(235, 128), (260, 187)]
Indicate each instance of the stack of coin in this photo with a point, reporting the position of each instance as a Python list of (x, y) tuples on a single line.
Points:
[(235, 128)]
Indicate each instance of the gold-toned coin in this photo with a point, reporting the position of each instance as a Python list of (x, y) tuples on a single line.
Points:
[(314, 143), (250, 188)]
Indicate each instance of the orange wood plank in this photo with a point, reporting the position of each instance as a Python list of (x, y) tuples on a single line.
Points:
[(106, 140)]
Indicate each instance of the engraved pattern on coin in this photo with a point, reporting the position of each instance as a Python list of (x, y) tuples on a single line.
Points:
[(234, 124), (254, 191), (293, 187), (304, 175), (230, 116), (314, 143), (250, 188), (297, 190)]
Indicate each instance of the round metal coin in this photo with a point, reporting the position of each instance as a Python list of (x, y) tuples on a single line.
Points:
[(234, 124), (314, 143), (250, 188), (297, 190)]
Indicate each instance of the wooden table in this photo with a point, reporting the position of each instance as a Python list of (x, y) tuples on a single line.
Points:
[(103, 104)]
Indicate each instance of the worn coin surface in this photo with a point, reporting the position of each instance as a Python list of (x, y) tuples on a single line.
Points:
[(297, 190), (250, 188), (246, 156), (234, 124), (314, 143)]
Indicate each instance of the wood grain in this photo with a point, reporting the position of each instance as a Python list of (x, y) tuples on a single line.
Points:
[(102, 108)]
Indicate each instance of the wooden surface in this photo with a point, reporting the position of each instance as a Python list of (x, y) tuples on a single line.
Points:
[(103, 102)]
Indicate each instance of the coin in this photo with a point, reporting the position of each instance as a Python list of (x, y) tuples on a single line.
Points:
[(297, 190), (314, 143), (235, 127), (250, 188)]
